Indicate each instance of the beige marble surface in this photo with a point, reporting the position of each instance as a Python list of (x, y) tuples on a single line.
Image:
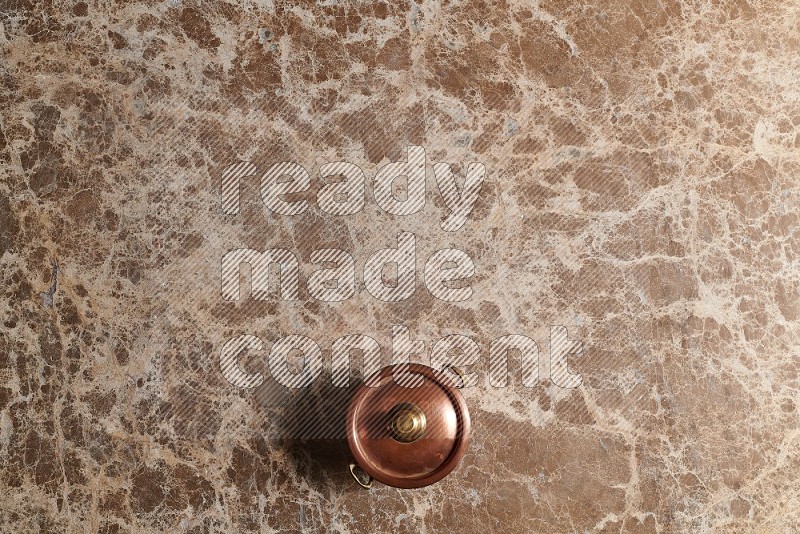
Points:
[(643, 163)]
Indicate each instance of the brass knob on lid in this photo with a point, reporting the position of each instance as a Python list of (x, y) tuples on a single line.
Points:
[(407, 422)]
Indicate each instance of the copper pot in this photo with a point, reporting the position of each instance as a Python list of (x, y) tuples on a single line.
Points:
[(408, 426)]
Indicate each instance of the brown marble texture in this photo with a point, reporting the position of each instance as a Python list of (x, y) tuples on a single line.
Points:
[(643, 163)]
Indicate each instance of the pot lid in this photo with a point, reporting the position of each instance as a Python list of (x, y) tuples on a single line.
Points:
[(408, 426)]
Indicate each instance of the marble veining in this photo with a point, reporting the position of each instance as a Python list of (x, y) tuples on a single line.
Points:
[(642, 161)]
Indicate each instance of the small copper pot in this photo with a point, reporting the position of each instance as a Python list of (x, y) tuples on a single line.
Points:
[(408, 426)]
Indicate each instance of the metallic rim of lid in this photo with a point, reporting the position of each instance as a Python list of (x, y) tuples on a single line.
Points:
[(462, 436)]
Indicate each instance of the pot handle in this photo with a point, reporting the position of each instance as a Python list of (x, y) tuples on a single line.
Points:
[(367, 484), (457, 371)]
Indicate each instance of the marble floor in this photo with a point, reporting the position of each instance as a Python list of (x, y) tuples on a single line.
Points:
[(616, 189)]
